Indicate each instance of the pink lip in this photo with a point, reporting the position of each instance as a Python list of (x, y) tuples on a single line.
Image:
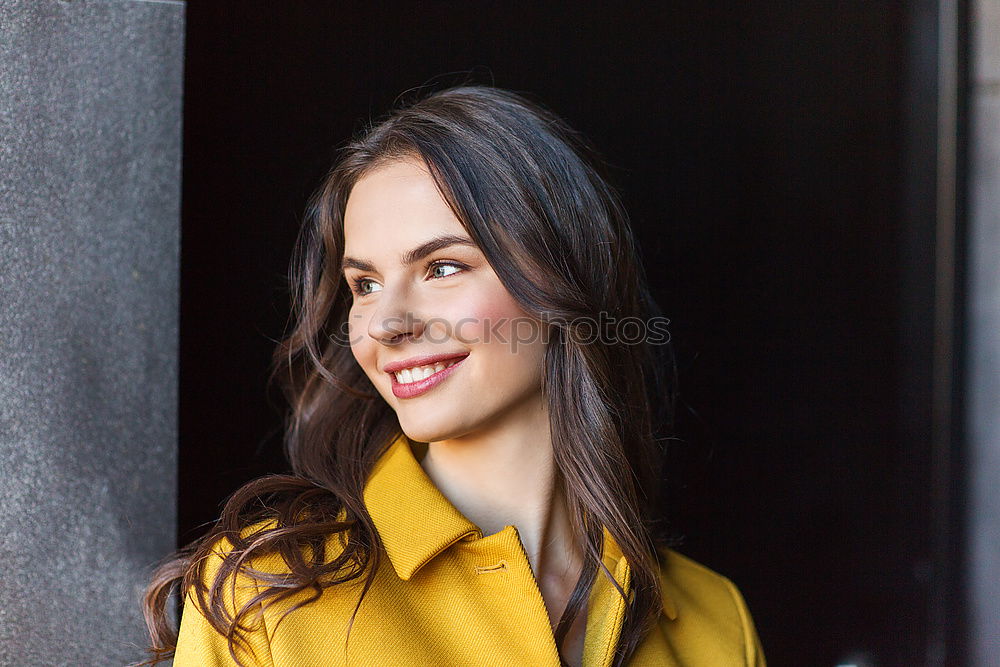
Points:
[(412, 389)]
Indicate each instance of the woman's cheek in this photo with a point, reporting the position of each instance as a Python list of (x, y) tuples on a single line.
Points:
[(362, 345), (490, 315)]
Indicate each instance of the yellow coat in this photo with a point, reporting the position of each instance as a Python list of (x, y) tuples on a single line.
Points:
[(447, 595)]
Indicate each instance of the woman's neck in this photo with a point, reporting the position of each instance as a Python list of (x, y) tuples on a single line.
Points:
[(506, 475)]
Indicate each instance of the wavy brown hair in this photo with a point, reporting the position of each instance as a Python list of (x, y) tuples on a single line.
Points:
[(536, 199)]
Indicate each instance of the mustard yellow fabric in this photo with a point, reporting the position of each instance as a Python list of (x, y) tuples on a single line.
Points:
[(448, 595)]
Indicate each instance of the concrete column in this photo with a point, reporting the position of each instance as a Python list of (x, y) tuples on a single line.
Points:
[(983, 371), (90, 141)]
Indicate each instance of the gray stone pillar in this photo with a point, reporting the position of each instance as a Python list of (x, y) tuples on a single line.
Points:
[(983, 372), (90, 139)]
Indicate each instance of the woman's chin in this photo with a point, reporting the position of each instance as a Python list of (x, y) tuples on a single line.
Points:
[(427, 428)]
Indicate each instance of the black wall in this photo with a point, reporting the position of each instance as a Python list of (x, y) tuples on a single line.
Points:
[(765, 153)]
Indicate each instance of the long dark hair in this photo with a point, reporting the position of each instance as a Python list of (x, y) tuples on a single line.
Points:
[(536, 199)]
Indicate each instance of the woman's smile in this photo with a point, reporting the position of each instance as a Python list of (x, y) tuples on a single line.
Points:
[(417, 376)]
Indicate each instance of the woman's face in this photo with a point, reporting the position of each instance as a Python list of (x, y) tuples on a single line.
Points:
[(426, 299)]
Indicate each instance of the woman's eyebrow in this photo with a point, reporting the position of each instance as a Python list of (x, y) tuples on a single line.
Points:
[(435, 244), (413, 255)]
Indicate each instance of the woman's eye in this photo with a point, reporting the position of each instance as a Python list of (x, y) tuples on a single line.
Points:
[(444, 270), (361, 286)]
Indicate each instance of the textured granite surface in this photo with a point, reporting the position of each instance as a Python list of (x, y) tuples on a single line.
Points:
[(984, 334), (90, 138)]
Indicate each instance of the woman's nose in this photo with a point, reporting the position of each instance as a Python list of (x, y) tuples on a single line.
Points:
[(394, 321)]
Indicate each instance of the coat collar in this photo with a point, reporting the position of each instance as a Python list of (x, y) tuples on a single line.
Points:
[(399, 496), (413, 518)]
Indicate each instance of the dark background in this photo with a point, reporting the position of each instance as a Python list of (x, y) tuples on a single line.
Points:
[(777, 159)]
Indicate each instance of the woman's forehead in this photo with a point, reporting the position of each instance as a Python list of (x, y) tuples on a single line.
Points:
[(397, 204)]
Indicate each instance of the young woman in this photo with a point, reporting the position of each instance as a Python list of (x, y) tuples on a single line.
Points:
[(479, 401)]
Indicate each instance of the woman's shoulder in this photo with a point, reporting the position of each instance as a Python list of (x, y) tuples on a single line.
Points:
[(231, 575), (226, 545), (707, 603), (686, 575), (211, 600), (269, 561)]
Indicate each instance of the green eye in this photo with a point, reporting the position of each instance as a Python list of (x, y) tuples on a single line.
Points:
[(358, 285), (440, 270)]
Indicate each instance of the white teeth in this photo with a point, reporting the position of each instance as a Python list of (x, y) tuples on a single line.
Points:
[(419, 373)]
